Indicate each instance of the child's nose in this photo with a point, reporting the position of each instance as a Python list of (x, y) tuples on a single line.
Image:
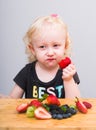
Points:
[(50, 51)]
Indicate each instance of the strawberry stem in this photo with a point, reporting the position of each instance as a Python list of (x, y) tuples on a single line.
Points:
[(77, 99), (43, 98)]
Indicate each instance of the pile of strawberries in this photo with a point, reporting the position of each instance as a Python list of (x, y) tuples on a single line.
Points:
[(35, 108)]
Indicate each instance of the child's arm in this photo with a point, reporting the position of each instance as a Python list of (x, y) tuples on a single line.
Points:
[(17, 92), (71, 88)]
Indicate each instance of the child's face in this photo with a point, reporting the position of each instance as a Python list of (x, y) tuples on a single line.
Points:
[(49, 45)]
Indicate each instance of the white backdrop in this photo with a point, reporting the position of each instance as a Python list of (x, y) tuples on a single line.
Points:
[(17, 15)]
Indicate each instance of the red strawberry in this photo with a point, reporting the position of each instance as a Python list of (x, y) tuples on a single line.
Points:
[(51, 99), (35, 103), (87, 104), (22, 107), (81, 107), (64, 62), (42, 113)]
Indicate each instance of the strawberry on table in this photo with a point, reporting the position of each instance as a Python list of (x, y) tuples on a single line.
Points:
[(35, 103), (80, 106), (51, 99), (22, 107), (42, 113), (87, 104)]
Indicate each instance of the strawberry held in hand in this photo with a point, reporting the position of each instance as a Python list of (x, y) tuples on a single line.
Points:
[(64, 62), (51, 99)]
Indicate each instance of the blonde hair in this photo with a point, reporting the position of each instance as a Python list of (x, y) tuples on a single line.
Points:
[(37, 25)]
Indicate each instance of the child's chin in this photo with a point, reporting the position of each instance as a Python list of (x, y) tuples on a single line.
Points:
[(52, 65)]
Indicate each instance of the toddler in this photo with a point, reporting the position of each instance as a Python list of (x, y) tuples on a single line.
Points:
[(47, 43)]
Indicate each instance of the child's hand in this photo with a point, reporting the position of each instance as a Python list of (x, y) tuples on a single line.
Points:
[(68, 72)]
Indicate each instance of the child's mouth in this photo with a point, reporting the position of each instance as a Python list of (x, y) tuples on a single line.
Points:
[(50, 59)]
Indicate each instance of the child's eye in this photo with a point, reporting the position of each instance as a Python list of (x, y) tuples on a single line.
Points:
[(42, 47), (56, 45)]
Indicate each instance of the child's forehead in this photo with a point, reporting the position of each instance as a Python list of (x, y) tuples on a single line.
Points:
[(50, 34), (49, 28)]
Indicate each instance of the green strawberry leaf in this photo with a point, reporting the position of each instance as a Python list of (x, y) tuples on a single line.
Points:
[(43, 98)]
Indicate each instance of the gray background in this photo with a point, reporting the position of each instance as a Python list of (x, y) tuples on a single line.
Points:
[(17, 15)]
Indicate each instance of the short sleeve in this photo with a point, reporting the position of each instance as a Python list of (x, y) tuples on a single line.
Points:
[(21, 78)]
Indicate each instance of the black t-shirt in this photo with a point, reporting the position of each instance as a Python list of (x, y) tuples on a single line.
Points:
[(34, 88)]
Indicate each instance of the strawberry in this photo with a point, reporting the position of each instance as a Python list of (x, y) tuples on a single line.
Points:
[(42, 113), (80, 106), (87, 104), (64, 62), (35, 103), (51, 99), (22, 107)]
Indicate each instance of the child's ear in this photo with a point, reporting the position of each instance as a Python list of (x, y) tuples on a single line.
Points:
[(31, 48)]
